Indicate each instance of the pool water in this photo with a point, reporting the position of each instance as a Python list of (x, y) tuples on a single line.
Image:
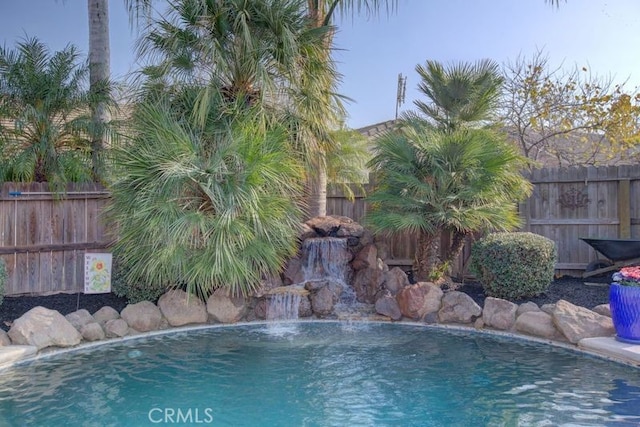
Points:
[(320, 374)]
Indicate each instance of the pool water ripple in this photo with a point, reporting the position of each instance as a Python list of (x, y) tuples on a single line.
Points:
[(322, 374)]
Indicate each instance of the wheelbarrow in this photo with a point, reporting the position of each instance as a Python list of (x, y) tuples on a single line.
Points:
[(618, 252)]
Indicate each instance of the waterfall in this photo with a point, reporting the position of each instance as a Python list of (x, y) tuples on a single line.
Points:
[(283, 306), (327, 259)]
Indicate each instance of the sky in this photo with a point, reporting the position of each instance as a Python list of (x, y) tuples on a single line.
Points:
[(602, 35)]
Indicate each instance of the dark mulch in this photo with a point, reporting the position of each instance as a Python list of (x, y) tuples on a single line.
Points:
[(571, 289), (14, 307)]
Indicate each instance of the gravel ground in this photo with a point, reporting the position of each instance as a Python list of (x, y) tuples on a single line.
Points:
[(571, 289)]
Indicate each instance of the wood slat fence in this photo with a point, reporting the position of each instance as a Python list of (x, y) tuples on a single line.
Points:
[(566, 204), (43, 237)]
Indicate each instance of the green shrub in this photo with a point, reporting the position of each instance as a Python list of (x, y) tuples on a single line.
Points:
[(3, 279), (133, 290), (514, 265)]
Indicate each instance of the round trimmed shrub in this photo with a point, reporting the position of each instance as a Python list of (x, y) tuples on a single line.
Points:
[(3, 279), (514, 265)]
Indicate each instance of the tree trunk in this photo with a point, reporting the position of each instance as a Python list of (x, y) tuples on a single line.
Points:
[(427, 259), (457, 243), (99, 74), (317, 189)]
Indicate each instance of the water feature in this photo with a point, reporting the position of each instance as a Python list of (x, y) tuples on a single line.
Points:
[(283, 306), (325, 375)]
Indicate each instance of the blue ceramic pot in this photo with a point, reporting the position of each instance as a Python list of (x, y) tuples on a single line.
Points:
[(624, 302)]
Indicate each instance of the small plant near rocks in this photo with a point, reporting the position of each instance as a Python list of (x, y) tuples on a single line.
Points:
[(133, 291), (514, 265), (3, 279)]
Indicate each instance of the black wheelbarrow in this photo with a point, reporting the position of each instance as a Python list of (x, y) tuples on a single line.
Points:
[(618, 252)]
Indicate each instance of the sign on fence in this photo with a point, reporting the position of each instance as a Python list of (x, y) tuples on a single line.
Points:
[(97, 273)]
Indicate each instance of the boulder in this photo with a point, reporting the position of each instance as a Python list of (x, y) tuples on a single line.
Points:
[(367, 257), (388, 306), (331, 225), (79, 318), (304, 309), (226, 308), (4, 338), (116, 328), (144, 316), (537, 323), (419, 300), (577, 322), (395, 279), (499, 313), (92, 332), (368, 282), (181, 308), (105, 314), (458, 307), (526, 307), (306, 232), (603, 309), (293, 273), (42, 327), (548, 308), (324, 299)]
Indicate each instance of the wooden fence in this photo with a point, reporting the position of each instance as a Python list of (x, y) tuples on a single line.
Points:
[(43, 237), (566, 204)]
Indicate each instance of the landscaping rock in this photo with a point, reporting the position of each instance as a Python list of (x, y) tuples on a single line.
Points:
[(603, 309), (395, 279), (181, 308), (105, 314), (304, 309), (4, 338), (43, 328), (499, 313), (527, 307), (332, 225), (419, 300), (324, 299), (367, 257), (537, 323), (116, 328), (225, 308), (548, 308), (458, 307), (144, 316), (368, 282), (577, 322), (92, 332), (388, 306), (293, 273), (79, 318)]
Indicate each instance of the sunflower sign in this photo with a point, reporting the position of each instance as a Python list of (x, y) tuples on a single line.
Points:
[(97, 273)]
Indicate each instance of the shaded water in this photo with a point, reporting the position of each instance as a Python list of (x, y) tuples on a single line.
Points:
[(327, 374)]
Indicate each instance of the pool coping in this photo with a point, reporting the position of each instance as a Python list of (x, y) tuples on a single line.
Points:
[(607, 348)]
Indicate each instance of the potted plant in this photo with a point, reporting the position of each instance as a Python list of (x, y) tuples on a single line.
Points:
[(624, 301)]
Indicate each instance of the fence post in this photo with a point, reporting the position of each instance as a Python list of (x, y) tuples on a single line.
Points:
[(624, 208)]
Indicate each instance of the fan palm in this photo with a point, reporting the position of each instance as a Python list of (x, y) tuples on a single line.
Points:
[(444, 170), (205, 203), (432, 182), (45, 122)]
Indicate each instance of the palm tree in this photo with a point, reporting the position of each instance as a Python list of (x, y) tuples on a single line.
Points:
[(443, 171), (204, 202), (45, 122), (99, 76)]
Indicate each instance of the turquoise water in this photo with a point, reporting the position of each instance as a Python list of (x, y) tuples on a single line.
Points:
[(320, 374)]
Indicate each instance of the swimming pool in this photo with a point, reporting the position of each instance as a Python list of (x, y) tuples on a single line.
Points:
[(320, 374)]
